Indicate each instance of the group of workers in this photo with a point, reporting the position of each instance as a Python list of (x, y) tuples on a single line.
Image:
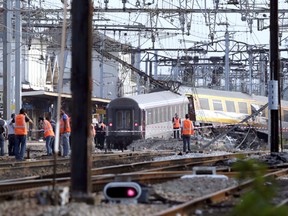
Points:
[(49, 128), (186, 129), (16, 130)]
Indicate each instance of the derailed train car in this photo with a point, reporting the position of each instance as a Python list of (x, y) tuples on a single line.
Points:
[(149, 115), (142, 116)]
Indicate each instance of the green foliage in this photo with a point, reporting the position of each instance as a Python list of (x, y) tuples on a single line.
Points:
[(256, 202)]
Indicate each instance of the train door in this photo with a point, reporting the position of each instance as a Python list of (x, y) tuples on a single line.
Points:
[(191, 109), (124, 120)]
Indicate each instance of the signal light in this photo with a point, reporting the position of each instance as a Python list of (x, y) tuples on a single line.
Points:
[(135, 124), (123, 192), (110, 124)]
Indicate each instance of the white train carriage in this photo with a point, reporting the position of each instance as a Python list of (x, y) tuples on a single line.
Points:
[(143, 116)]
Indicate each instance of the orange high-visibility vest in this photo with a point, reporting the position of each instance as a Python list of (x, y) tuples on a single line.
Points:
[(176, 123), (48, 130), (68, 129), (20, 125), (187, 127)]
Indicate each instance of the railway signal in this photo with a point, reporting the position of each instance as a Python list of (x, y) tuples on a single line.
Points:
[(123, 192)]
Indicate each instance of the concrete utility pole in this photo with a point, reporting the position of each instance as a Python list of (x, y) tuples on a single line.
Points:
[(18, 47), (102, 38), (81, 87), (250, 59), (7, 73), (273, 95), (227, 66)]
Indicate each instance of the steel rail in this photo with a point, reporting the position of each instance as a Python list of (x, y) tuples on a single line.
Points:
[(188, 208)]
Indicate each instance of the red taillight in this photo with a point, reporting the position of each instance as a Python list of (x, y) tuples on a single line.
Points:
[(110, 124), (135, 124)]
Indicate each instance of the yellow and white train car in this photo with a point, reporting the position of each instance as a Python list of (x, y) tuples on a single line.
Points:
[(220, 108), (216, 108)]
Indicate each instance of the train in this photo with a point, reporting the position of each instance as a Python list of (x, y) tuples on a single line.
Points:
[(150, 115)]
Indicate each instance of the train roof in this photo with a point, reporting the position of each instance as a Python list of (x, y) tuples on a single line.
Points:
[(264, 100), (156, 98), (213, 92)]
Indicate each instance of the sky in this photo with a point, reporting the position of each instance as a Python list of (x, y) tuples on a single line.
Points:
[(183, 38), (199, 29)]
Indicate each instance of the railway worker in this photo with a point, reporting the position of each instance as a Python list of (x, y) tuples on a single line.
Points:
[(20, 130), (53, 124), (95, 123), (3, 134), (187, 130), (100, 134), (176, 126), (11, 135), (48, 134), (65, 131), (93, 134)]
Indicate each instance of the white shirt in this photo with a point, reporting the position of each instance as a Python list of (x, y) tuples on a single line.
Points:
[(10, 126)]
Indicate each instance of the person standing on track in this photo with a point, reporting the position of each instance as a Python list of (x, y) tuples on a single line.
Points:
[(11, 135), (187, 130), (3, 134), (48, 134), (101, 134), (53, 124), (176, 126), (65, 131), (20, 130)]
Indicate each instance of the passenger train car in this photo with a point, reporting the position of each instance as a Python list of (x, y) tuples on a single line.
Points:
[(220, 108), (150, 115), (142, 116)]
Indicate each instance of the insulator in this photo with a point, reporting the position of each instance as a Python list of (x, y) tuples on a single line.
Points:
[(182, 21), (188, 26), (153, 38)]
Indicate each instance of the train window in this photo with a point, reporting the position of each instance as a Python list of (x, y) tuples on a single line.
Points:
[(176, 110), (169, 112), (128, 119), (156, 116), (204, 103), (217, 104), (159, 114), (153, 116), (119, 119), (285, 115), (162, 114), (149, 116), (230, 106), (243, 107), (123, 119)]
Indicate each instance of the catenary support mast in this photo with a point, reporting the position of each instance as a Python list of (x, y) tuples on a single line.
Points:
[(81, 87), (274, 97)]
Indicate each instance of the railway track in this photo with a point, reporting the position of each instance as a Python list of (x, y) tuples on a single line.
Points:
[(144, 172), (189, 207), (147, 173), (42, 167)]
